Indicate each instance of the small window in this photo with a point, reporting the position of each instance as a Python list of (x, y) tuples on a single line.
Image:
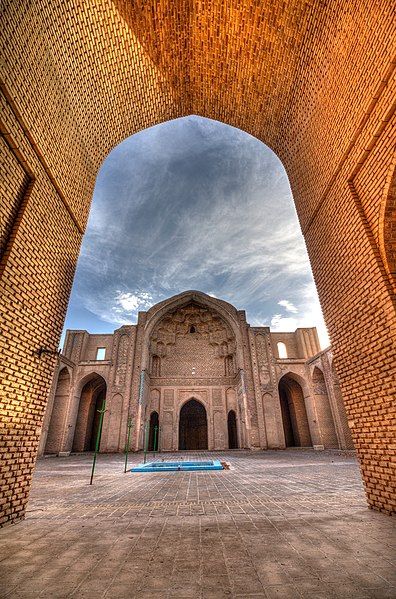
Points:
[(192, 329), (282, 351), (101, 353)]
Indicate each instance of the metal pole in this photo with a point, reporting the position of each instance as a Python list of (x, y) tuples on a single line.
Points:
[(155, 448), (98, 435), (145, 441), (130, 424)]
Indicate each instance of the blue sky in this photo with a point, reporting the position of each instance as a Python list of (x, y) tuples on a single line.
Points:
[(193, 204)]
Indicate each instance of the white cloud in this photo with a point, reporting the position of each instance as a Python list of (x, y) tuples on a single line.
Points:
[(195, 204), (288, 306), (282, 323), (309, 315), (131, 303)]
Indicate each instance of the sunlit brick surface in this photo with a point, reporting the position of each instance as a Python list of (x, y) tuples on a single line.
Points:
[(314, 80), (284, 524)]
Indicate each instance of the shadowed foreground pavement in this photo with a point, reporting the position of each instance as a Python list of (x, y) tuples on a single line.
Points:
[(284, 524)]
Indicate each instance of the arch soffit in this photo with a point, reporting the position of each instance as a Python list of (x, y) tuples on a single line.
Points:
[(61, 369), (227, 312), (297, 378), (86, 379)]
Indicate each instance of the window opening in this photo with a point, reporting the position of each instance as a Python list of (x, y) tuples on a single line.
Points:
[(282, 351), (101, 353)]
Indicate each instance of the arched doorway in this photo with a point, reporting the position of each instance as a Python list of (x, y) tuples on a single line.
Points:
[(92, 397), (153, 432), (193, 426), (232, 430), (294, 414), (58, 415)]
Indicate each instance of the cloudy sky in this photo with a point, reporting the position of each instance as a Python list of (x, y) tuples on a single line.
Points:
[(193, 204)]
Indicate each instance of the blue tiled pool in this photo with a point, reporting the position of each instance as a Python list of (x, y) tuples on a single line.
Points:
[(177, 466)]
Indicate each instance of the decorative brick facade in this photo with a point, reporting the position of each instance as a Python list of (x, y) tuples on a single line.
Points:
[(313, 80), (193, 349)]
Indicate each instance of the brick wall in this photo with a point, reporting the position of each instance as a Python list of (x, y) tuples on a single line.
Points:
[(313, 80)]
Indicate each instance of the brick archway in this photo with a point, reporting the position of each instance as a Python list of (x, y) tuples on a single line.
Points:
[(294, 413), (91, 399), (68, 102)]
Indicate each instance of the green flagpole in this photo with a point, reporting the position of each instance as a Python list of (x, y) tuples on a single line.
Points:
[(98, 436), (145, 441), (155, 448), (129, 427)]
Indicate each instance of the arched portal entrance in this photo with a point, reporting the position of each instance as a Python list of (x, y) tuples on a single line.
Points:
[(232, 430), (59, 409), (92, 397), (153, 432), (294, 414), (193, 426)]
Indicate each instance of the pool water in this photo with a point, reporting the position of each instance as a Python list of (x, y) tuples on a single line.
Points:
[(178, 466)]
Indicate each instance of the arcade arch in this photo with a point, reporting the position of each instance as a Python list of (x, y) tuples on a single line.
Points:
[(92, 397), (59, 412), (294, 413)]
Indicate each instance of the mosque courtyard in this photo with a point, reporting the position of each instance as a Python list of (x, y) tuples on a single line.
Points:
[(276, 524)]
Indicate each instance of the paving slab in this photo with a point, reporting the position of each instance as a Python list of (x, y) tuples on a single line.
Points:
[(287, 524)]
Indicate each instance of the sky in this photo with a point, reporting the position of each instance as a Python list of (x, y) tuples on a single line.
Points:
[(193, 204)]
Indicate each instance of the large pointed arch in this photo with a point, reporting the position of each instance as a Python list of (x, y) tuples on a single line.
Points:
[(226, 311), (154, 61)]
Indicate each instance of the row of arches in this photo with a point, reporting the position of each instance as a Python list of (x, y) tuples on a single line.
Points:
[(300, 428), (193, 424)]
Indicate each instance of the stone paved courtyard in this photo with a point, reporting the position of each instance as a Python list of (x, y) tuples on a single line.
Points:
[(284, 524)]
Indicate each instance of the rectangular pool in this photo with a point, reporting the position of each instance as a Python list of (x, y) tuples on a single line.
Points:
[(177, 466)]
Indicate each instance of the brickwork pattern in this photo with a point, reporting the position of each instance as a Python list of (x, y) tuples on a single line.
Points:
[(313, 80), (290, 524)]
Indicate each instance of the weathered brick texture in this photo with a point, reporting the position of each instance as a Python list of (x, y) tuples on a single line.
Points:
[(313, 80)]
